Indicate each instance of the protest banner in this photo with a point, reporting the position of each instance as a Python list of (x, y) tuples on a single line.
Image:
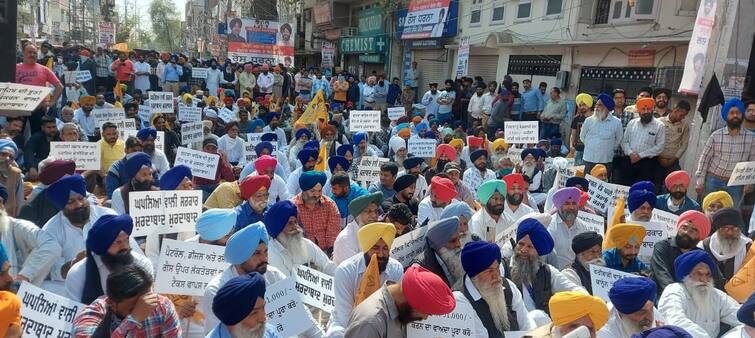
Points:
[(164, 212), (619, 191), (564, 174), (144, 113), (45, 314), (369, 170), (462, 65), (161, 102), (395, 113), (601, 193), (459, 323), (315, 288), (159, 141), (515, 154), (422, 147), (602, 279), (123, 124), (743, 174), (102, 115), (199, 73), (254, 138), (87, 155), (250, 154), (407, 246), (19, 100), (185, 268), (204, 165), (364, 120), (189, 114), (654, 232), (83, 76), (284, 309), (107, 33), (518, 132), (593, 222), (668, 220), (503, 237), (226, 115), (192, 132)]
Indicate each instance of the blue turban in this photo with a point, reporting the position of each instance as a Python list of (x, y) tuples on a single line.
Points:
[(420, 126), (666, 331), (477, 256), (607, 100), (540, 153), (306, 154), (144, 133), (344, 148), (3, 255), (556, 142), (105, 230), (276, 217), (457, 208), (263, 145), (531, 151), (303, 131), (745, 314), (269, 137), (359, 136), (8, 144), (731, 103), (441, 231), (136, 162), (59, 192), (412, 162), (314, 144), (309, 179), (269, 117), (541, 239), (214, 224), (576, 180), (174, 176), (3, 193), (684, 264), (244, 243), (256, 123), (236, 299), (642, 185), (637, 198), (477, 154), (629, 294), (338, 160)]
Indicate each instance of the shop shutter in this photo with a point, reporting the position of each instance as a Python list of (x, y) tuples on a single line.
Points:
[(485, 66), (433, 67)]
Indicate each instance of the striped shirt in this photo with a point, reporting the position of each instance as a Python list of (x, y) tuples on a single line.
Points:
[(723, 151), (625, 117), (162, 322), (647, 140), (321, 223)]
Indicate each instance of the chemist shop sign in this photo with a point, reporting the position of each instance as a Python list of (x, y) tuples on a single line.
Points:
[(364, 44)]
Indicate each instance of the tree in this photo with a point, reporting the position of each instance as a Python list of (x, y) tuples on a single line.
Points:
[(166, 25)]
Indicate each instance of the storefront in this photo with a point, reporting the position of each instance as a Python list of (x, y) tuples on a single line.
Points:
[(369, 50)]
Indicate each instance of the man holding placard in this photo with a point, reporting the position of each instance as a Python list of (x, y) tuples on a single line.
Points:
[(140, 178), (240, 306), (147, 137)]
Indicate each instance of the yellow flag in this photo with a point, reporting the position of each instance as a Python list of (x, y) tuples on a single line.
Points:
[(370, 281), (314, 110), (49, 63), (618, 214), (322, 159), (740, 285), (118, 91)]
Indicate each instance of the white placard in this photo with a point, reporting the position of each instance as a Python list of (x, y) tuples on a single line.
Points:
[(161, 102), (192, 132), (563, 175), (408, 246), (284, 309), (185, 268), (83, 76), (515, 154), (422, 147), (514, 334), (462, 64), (226, 115), (159, 141), (369, 170), (250, 152), (315, 288), (619, 191), (144, 113), (654, 232), (124, 124), (395, 113), (364, 120), (102, 115), (592, 221), (165, 211), (601, 194), (668, 220), (504, 237), (19, 100), (204, 165), (743, 174), (189, 114), (199, 73), (518, 132), (459, 323), (602, 279), (87, 155), (45, 314)]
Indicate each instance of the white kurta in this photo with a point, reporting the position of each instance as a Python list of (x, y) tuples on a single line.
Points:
[(279, 257), (20, 241), (482, 222), (426, 211), (78, 274), (615, 329), (559, 283), (421, 188), (677, 307), (141, 82), (522, 318), (473, 178), (282, 141), (562, 236), (346, 244), (277, 189), (737, 332)]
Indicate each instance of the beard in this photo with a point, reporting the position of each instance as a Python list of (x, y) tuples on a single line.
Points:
[(677, 195), (734, 124), (700, 294), (524, 269), (631, 327), (514, 199), (600, 114), (494, 297), (481, 166), (141, 185), (440, 165), (452, 259), (528, 169), (595, 261), (645, 119), (120, 259), (568, 216), (494, 210), (149, 148), (465, 237), (78, 215), (294, 243), (685, 242), (406, 195), (4, 221), (405, 314), (242, 331), (728, 245), (382, 262)]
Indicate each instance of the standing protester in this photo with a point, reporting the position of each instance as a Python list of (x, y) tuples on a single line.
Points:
[(644, 139), (601, 134)]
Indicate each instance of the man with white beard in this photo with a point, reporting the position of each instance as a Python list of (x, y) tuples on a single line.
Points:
[(489, 220), (533, 175), (632, 308), (588, 250), (641, 201), (288, 247), (364, 210), (693, 303), (727, 245), (441, 253), (565, 225), (497, 302), (240, 306), (464, 213)]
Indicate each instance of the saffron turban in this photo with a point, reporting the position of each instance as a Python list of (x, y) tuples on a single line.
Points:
[(584, 98), (645, 103), (214, 224), (236, 299), (262, 146), (307, 154), (541, 239), (404, 132), (514, 179), (446, 149), (371, 233), (403, 182), (243, 243), (677, 177), (137, 162), (265, 162), (8, 144), (726, 216), (564, 195), (174, 176), (52, 171), (309, 179), (457, 208), (412, 162), (335, 161), (607, 101), (687, 261), (622, 234), (629, 294), (598, 169), (303, 132), (441, 231), (277, 216), (84, 100), (477, 154), (568, 306), (250, 185), (362, 202), (500, 143), (477, 256), (145, 133), (345, 148), (443, 189), (746, 313), (426, 292), (698, 220), (666, 331), (718, 196), (637, 198), (578, 181), (359, 137), (731, 103), (489, 188), (584, 241), (105, 230), (10, 311), (456, 143), (59, 192)]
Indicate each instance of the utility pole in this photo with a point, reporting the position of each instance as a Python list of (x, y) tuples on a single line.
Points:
[(8, 18)]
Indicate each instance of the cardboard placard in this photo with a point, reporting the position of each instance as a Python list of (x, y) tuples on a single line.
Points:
[(185, 268), (395, 113), (406, 247), (144, 113), (668, 220), (124, 124), (364, 120), (654, 232), (369, 170), (199, 73), (87, 155), (422, 147), (562, 175), (159, 141), (226, 115), (602, 279), (165, 211), (593, 222), (204, 165), (102, 115), (521, 132), (515, 155), (189, 114), (285, 310), (316, 288), (19, 99), (743, 174), (45, 314), (192, 132), (250, 153), (601, 194), (503, 237), (161, 102), (459, 323), (83, 76)]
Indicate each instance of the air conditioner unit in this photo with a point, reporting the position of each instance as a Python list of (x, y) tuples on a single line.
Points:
[(349, 31), (562, 79)]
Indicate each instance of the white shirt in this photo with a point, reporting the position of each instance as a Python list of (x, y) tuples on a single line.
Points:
[(20, 239), (265, 82), (487, 102), (474, 179), (522, 318), (738, 254), (159, 162), (346, 244), (476, 106), (484, 226), (233, 149), (279, 257), (78, 273), (559, 283), (141, 82), (562, 236), (678, 308), (87, 123), (645, 140), (213, 81), (737, 332), (430, 101), (421, 188), (614, 327), (282, 141), (426, 211), (277, 189)]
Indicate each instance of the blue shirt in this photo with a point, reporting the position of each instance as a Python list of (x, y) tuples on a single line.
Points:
[(245, 215), (323, 84), (172, 72), (221, 331), (532, 100), (612, 257), (377, 186), (343, 202), (662, 203)]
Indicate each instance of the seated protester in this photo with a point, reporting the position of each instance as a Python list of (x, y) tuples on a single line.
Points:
[(738, 286), (488, 221), (473, 143), (676, 201), (233, 146), (453, 172), (108, 250), (462, 211), (621, 247), (405, 187), (640, 201), (727, 245), (139, 170), (549, 176), (240, 307), (215, 226), (693, 302), (632, 308), (565, 225), (691, 227), (116, 175), (401, 217), (385, 184), (444, 154), (272, 119), (301, 136), (265, 147), (130, 308), (496, 301), (265, 165), (570, 310), (413, 166), (288, 248), (515, 207), (318, 214), (308, 158), (442, 193), (224, 172), (441, 252), (364, 210), (746, 316), (147, 137), (587, 248), (532, 175), (36, 149), (12, 177), (254, 191), (19, 238), (715, 201), (479, 173), (10, 304), (363, 273), (362, 147), (343, 191), (172, 141), (227, 195)]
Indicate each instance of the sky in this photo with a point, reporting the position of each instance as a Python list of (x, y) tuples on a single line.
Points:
[(143, 6)]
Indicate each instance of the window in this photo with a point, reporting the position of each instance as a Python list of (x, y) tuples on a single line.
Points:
[(553, 7), (498, 12), (687, 7), (523, 9), (622, 11), (476, 15)]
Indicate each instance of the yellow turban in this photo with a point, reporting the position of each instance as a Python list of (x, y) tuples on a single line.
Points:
[(568, 306), (456, 143), (87, 100), (10, 311), (187, 97), (621, 234), (212, 100), (584, 98), (580, 172), (154, 117), (369, 234), (499, 142), (718, 196), (598, 169)]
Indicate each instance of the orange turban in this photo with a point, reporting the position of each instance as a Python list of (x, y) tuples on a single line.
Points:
[(87, 100), (645, 103)]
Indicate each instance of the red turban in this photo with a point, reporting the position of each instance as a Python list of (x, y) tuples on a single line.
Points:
[(85, 52), (443, 189), (52, 171), (583, 196), (228, 100), (265, 162), (426, 292), (677, 177), (252, 184), (475, 141), (512, 179), (446, 149), (698, 220)]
